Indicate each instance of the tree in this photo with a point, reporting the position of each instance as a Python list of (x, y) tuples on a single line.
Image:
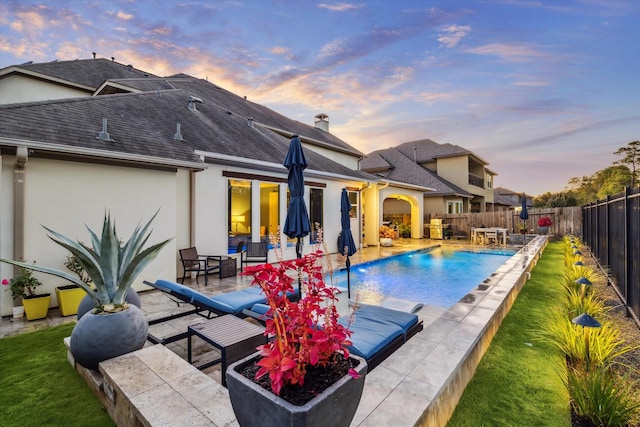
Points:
[(631, 156)]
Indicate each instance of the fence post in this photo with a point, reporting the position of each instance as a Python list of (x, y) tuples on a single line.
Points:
[(627, 256)]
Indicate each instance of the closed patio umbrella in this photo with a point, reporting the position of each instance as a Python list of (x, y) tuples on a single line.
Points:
[(524, 215), (346, 245), (297, 223)]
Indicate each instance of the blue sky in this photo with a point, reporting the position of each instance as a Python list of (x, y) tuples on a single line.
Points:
[(541, 90)]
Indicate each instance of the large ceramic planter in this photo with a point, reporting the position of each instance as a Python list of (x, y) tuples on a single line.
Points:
[(37, 307), (255, 406), (543, 229), (386, 241), (98, 337), (69, 298), (86, 304)]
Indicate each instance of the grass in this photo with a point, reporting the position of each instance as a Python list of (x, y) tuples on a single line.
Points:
[(40, 387), (517, 381)]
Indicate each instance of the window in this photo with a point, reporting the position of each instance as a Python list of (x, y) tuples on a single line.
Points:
[(239, 208), (454, 207), (353, 198), (316, 207), (269, 211)]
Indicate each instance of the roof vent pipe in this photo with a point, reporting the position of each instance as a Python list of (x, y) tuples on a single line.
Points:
[(104, 135), (178, 136), (250, 122), (415, 157), (192, 102)]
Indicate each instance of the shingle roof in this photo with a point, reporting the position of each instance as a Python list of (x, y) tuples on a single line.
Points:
[(144, 124), (427, 150), (406, 170), (242, 107), (88, 72)]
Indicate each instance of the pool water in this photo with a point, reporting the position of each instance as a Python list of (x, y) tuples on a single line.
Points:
[(438, 277)]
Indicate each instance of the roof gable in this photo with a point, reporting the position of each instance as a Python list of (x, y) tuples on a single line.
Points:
[(86, 72)]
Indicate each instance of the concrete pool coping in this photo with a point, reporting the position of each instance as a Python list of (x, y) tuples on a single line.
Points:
[(425, 377)]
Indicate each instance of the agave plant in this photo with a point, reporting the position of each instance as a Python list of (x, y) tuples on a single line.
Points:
[(112, 266)]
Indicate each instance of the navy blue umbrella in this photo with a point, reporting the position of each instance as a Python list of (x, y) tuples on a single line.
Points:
[(346, 245), (297, 223), (524, 215)]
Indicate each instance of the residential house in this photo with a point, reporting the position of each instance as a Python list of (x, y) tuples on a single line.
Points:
[(79, 138), (459, 179), (508, 200)]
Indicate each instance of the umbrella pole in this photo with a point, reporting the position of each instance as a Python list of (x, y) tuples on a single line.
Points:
[(299, 255), (348, 264)]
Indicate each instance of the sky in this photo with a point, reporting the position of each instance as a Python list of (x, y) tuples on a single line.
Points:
[(543, 91)]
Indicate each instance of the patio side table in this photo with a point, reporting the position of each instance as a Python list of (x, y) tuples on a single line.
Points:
[(234, 337)]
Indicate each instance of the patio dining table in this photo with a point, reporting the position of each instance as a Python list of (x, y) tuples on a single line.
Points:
[(476, 233)]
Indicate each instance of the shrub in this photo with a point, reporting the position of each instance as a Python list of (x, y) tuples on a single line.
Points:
[(601, 396), (577, 303), (544, 221)]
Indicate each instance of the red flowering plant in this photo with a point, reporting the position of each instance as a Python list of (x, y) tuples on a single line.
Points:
[(544, 221), (303, 333)]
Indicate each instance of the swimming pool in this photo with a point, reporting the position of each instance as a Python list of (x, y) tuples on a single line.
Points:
[(438, 277)]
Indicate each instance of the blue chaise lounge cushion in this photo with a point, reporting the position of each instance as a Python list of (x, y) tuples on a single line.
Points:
[(375, 312), (230, 302), (370, 336)]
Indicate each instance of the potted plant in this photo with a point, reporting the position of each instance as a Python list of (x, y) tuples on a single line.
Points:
[(113, 327), (304, 375), (23, 286), (447, 232), (522, 227), (70, 296), (404, 230), (543, 224), (386, 236)]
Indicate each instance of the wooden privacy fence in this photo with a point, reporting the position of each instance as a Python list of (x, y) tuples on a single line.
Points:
[(612, 232), (567, 220)]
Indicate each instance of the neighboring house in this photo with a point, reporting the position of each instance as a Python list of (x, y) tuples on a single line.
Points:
[(209, 160), (506, 200), (460, 180)]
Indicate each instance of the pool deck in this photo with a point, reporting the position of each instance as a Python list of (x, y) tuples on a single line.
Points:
[(425, 377)]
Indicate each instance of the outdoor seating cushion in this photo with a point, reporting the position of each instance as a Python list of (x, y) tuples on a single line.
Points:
[(373, 328), (370, 336), (230, 302), (375, 312), (235, 302)]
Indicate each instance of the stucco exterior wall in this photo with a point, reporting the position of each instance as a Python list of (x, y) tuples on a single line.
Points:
[(17, 88), (344, 159), (455, 170), (374, 196), (66, 196)]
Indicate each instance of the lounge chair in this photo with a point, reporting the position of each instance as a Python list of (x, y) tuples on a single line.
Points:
[(227, 303), (376, 332)]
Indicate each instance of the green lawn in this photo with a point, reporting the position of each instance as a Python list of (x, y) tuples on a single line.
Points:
[(516, 383), (40, 388)]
